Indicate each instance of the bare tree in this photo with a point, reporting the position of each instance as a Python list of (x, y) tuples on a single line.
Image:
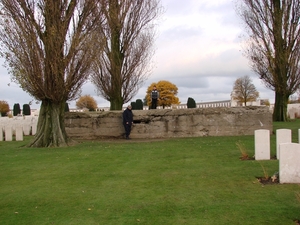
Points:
[(273, 27), (123, 64), (48, 47), (244, 90)]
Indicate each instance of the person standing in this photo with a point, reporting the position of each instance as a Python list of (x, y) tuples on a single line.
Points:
[(127, 121), (154, 97)]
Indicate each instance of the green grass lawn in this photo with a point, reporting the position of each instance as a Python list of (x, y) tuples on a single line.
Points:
[(176, 181)]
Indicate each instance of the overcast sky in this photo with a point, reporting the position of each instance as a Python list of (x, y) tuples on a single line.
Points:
[(198, 48)]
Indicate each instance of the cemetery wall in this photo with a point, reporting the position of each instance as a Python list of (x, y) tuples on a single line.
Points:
[(166, 123)]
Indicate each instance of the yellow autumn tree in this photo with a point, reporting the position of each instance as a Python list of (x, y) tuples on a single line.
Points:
[(4, 108), (167, 93), (88, 102)]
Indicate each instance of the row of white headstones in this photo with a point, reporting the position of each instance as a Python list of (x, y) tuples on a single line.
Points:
[(7, 133), (17, 127), (287, 153)]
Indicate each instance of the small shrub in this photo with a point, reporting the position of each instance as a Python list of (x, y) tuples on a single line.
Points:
[(266, 176), (191, 103), (243, 151), (16, 109), (133, 105), (139, 104), (26, 110), (266, 179)]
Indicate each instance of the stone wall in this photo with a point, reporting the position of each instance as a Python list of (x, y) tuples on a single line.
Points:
[(166, 123)]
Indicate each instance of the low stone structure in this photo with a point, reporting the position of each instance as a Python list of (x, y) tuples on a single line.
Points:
[(167, 123)]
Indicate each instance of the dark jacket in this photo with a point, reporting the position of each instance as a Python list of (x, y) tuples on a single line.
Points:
[(127, 116), (154, 94)]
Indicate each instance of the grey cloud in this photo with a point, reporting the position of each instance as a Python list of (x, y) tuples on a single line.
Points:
[(191, 81), (202, 96), (225, 12), (181, 32), (230, 55), (174, 8), (13, 94), (219, 9)]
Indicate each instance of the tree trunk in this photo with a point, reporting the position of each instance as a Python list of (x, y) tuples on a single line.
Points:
[(51, 128), (116, 103), (280, 107), (117, 56)]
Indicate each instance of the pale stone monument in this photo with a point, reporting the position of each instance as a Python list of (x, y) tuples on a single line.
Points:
[(262, 144), (292, 113), (289, 166), (1, 133), (19, 133), (26, 129), (8, 133), (33, 128), (282, 136)]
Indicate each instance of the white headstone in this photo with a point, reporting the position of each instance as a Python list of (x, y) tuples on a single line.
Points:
[(282, 136), (8, 133), (292, 113), (33, 128), (262, 144), (19, 134), (289, 166), (1, 133), (26, 129)]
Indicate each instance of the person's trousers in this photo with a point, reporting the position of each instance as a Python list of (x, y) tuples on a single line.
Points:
[(127, 129), (154, 103)]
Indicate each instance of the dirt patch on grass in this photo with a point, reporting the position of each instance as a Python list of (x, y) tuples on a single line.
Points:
[(268, 180), (246, 157)]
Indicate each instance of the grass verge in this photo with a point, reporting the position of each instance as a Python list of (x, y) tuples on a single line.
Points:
[(177, 181)]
